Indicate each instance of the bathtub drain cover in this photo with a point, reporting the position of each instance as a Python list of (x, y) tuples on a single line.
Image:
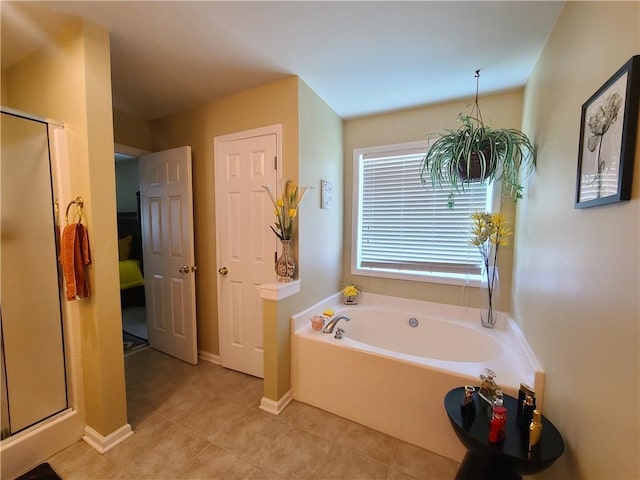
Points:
[(413, 322)]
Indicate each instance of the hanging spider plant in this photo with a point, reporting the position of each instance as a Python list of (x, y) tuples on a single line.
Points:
[(476, 152)]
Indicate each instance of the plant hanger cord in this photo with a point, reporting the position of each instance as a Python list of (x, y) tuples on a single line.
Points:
[(476, 106)]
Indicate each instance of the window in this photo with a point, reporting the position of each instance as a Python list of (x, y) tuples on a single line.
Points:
[(402, 229)]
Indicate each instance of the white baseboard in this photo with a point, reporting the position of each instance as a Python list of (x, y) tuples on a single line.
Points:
[(275, 408), (104, 444), (209, 357), (23, 451)]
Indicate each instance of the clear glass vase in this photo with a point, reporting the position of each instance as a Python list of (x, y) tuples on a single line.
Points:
[(489, 294), (285, 264)]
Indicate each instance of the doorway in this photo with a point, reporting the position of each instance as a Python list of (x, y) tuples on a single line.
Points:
[(166, 199), (159, 307), (135, 335), (244, 163)]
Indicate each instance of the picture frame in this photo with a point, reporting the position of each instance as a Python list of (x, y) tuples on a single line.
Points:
[(608, 131), (326, 194)]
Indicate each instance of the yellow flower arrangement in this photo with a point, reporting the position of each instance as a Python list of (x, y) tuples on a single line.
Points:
[(489, 226), (489, 231), (350, 291), (286, 208)]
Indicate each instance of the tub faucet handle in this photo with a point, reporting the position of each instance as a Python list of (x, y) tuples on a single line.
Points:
[(339, 333)]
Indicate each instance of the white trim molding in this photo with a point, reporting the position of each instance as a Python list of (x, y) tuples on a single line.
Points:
[(209, 357), (103, 444), (275, 408), (28, 116), (127, 150), (277, 291), (23, 451)]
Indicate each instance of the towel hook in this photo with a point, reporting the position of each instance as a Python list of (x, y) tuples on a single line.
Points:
[(79, 203)]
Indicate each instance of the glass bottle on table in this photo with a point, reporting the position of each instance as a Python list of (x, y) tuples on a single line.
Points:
[(468, 406), (497, 426)]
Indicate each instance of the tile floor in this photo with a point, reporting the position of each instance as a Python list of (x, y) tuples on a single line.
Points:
[(203, 422)]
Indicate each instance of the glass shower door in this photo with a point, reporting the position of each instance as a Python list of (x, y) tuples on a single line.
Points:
[(33, 362)]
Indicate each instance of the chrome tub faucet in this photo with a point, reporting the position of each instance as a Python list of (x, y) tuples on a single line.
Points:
[(333, 322)]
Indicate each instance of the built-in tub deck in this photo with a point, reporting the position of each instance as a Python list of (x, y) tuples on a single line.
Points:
[(393, 377)]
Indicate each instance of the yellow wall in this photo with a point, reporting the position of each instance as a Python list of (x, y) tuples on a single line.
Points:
[(320, 241), (500, 111), (312, 138), (71, 82), (320, 230), (269, 105), (577, 271), (4, 95), (131, 131)]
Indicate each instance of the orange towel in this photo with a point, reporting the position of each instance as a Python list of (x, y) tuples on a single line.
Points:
[(74, 255)]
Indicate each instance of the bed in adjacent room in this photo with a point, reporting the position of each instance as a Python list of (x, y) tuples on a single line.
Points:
[(130, 259)]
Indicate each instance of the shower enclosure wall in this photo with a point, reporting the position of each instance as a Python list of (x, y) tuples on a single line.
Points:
[(38, 407)]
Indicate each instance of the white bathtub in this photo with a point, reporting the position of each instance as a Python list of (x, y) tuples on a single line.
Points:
[(392, 377)]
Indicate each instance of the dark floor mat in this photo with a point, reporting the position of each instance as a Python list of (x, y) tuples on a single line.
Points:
[(131, 342), (41, 472)]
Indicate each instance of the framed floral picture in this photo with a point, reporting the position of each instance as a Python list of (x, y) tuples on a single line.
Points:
[(608, 130)]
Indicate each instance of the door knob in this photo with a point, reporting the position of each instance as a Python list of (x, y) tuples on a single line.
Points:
[(193, 268), (223, 271), (184, 269)]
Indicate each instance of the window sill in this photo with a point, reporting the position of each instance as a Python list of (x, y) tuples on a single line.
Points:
[(468, 280)]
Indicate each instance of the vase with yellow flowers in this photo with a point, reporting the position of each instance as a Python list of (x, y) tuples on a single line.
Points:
[(351, 294), (286, 211), (489, 232)]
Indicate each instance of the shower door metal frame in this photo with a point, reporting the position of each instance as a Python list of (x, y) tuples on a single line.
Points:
[(37, 442)]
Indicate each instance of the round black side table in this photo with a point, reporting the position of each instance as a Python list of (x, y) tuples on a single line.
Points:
[(509, 459)]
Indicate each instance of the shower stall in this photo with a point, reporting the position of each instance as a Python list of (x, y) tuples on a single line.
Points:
[(39, 412)]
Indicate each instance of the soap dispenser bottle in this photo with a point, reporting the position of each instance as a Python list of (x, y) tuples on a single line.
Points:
[(535, 430)]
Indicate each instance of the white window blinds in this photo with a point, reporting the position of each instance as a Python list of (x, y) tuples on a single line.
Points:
[(405, 227)]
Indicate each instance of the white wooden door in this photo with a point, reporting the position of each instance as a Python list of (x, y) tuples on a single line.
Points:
[(166, 207), (246, 246)]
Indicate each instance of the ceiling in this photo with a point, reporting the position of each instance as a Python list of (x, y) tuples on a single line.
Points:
[(361, 57)]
